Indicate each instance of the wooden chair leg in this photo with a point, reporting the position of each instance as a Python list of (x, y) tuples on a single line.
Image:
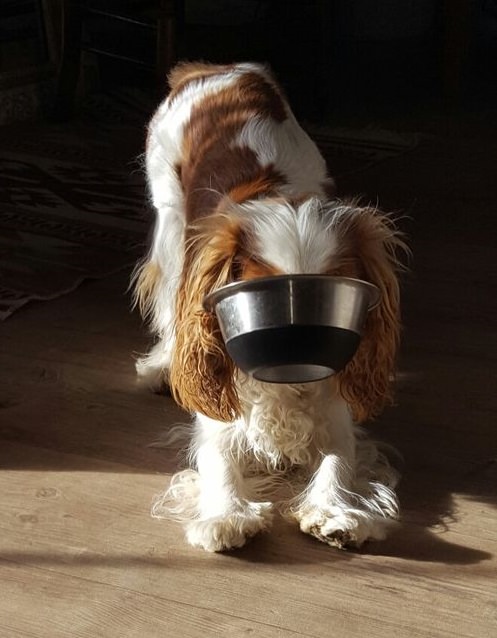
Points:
[(68, 74), (167, 36)]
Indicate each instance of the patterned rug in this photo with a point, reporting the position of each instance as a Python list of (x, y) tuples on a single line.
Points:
[(72, 206), (72, 196)]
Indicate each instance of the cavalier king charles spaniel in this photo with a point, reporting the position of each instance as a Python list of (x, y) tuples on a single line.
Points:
[(241, 191)]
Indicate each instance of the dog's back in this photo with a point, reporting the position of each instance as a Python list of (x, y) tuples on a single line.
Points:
[(227, 130)]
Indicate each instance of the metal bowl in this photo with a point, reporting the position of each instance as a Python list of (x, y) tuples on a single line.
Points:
[(292, 328)]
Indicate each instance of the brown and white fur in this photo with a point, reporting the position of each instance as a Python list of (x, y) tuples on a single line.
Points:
[(240, 192)]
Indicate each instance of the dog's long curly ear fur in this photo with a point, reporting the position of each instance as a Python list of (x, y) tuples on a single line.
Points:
[(366, 382), (202, 373)]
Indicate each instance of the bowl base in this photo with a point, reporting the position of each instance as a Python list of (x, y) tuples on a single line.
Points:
[(293, 354), (305, 373)]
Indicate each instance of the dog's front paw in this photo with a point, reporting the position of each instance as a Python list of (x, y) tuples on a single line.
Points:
[(232, 530), (344, 528)]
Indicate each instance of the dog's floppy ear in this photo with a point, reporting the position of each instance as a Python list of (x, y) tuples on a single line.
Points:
[(366, 381), (202, 373)]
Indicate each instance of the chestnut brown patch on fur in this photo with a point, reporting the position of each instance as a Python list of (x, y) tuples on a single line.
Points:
[(254, 269), (223, 171), (186, 72), (263, 96), (345, 265), (246, 264), (368, 244), (253, 91), (213, 163), (265, 184), (202, 373)]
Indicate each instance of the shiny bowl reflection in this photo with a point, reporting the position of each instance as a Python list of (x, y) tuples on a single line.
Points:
[(293, 328)]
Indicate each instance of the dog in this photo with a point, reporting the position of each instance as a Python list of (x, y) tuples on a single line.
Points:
[(241, 191)]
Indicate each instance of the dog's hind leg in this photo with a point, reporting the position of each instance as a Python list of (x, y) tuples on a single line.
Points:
[(156, 284)]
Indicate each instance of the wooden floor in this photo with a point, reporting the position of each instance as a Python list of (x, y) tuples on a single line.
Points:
[(81, 556)]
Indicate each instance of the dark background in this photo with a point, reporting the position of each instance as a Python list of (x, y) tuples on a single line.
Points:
[(338, 59)]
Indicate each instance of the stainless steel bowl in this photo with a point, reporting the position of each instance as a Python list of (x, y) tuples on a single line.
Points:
[(292, 328)]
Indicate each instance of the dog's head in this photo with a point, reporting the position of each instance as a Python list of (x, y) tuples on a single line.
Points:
[(264, 237)]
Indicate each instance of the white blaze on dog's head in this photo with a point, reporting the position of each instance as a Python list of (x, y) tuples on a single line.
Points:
[(293, 237)]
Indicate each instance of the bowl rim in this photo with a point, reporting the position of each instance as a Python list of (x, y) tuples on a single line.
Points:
[(212, 299)]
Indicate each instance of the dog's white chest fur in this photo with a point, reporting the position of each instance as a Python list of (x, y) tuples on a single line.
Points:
[(284, 425)]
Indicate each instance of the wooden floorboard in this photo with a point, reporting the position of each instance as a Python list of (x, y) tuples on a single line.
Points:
[(80, 555)]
